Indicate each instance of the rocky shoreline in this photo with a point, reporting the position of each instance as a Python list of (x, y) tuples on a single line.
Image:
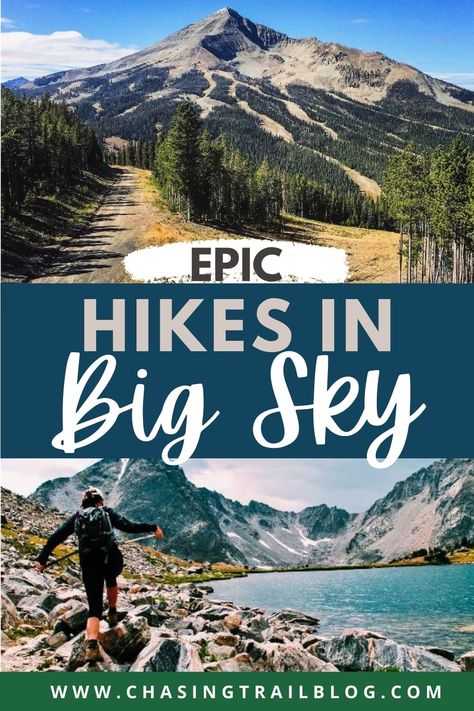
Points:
[(168, 627)]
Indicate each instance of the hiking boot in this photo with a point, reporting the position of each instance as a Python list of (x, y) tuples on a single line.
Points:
[(92, 651), (112, 617)]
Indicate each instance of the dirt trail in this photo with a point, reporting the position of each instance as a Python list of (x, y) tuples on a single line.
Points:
[(95, 255)]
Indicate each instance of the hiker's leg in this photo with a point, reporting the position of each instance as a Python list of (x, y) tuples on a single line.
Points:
[(93, 575), (92, 628), (112, 595), (113, 568)]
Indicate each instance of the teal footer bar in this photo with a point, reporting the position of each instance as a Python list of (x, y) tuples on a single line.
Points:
[(238, 690)]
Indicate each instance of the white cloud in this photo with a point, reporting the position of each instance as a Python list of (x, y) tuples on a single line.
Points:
[(293, 484), (23, 475), (464, 79), (6, 22), (32, 56), (360, 21)]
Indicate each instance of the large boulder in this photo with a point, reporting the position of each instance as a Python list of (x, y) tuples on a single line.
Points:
[(168, 655), (291, 618), (58, 612), (285, 657), (45, 601), (18, 589), (216, 652), (362, 650), (75, 619), (240, 663), (77, 660), (294, 658), (127, 639), (219, 612), (232, 622), (152, 613), (9, 613)]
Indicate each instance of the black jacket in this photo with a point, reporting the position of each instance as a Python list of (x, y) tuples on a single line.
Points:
[(66, 529)]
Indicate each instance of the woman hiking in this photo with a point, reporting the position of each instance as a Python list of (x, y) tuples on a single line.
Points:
[(99, 556)]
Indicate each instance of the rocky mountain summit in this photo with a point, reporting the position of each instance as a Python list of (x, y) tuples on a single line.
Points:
[(166, 627), (227, 42), (434, 507), (344, 109)]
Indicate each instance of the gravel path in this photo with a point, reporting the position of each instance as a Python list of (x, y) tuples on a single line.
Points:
[(95, 256)]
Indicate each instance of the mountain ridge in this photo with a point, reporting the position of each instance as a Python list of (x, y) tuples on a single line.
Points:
[(229, 26), (331, 113), (434, 506)]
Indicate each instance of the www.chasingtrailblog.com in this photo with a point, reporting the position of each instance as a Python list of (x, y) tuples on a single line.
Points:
[(247, 692)]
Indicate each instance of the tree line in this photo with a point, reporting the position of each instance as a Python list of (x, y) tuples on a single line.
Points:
[(430, 195), (209, 180), (45, 149)]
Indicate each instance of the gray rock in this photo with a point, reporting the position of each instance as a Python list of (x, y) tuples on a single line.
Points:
[(34, 614), (212, 667), (168, 655), (154, 616), (142, 599), (218, 612), (311, 639), (34, 644), (17, 590), (77, 659), (208, 589), (225, 639), (70, 593), (30, 602), (75, 619), (46, 601), (126, 640), (361, 650), (292, 617), (178, 624), (9, 614), (293, 658), (33, 578), (57, 639), (219, 651), (60, 610), (259, 623), (285, 657), (442, 653), (240, 663), (467, 662)]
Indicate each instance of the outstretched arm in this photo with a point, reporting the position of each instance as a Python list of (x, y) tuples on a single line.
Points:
[(123, 524), (65, 530)]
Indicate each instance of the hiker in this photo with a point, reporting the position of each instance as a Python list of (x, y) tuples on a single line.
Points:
[(99, 556)]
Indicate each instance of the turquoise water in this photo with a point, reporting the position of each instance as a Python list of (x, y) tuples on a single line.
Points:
[(425, 605)]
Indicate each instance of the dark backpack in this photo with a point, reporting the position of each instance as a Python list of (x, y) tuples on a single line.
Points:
[(94, 530)]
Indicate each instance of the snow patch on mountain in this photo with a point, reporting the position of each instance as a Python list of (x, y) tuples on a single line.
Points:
[(280, 543)]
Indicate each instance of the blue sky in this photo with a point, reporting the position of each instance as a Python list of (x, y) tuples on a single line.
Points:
[(287, 484), (433, 35)]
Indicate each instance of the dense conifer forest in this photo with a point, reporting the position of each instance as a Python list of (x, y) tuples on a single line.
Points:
[(45, 149), (208, 179), (431, 197)]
